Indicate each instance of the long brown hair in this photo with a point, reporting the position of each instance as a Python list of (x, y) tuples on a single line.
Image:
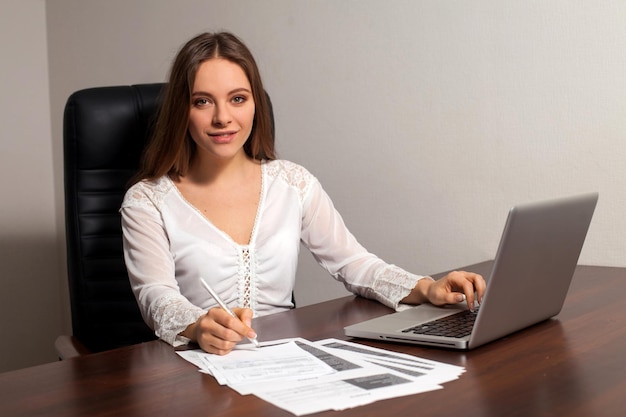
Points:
[(171, 149)]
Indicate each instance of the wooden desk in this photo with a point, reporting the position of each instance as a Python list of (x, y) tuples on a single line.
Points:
[(574, 365)]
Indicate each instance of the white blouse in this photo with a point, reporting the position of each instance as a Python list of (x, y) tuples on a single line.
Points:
[(169, 245)]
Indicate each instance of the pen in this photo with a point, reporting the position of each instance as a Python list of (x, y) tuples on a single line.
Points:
[(223, 305)]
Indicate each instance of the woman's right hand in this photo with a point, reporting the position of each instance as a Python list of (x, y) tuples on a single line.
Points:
[(218, 332)]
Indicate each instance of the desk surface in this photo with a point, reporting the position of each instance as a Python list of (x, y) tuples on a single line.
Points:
[(573, 365)]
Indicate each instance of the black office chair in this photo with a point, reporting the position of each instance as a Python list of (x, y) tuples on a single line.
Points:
[(104, 132)]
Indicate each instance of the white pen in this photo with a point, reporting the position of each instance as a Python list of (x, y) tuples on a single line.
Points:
[(223, 305)]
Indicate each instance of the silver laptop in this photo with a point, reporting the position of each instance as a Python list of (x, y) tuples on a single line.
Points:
[(528, 282)]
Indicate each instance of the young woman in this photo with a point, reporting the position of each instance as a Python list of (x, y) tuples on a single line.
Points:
[(211, 201)]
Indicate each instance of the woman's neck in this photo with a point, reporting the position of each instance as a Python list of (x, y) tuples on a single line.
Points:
[(213, 171)]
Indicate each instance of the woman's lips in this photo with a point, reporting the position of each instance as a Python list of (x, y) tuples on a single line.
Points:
[(224, 137)]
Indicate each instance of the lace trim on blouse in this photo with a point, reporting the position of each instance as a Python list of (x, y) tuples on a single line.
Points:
[(392, 284), (147, 194), (171, 316), (247, 281), (293, 174)]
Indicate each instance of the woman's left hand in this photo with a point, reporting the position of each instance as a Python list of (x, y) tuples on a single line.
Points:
[(453, 288)]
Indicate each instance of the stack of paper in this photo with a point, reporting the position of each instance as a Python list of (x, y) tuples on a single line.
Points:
[(308, 377)]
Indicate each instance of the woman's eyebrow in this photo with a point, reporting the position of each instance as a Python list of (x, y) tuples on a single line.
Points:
[(236, 90)]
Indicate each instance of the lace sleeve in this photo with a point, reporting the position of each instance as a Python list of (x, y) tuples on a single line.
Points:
[(171, 316), (392, 284)]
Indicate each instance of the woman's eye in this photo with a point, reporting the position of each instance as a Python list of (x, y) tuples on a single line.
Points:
[(239, 99), (201, 102)]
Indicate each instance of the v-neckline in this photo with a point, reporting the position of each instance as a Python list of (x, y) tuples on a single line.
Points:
[(226, 236)]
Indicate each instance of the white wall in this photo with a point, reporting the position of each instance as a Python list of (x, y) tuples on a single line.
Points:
[(30, 305), (425, 120)]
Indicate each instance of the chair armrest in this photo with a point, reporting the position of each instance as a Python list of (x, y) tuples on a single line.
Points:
[(69, 347)]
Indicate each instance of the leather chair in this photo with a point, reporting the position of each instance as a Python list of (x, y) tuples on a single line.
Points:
[(104, 132)]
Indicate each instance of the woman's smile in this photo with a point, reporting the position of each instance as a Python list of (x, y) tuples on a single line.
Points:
[(223, 137)]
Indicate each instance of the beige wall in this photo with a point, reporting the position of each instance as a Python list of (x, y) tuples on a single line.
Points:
[(424, 120), (30, 304)]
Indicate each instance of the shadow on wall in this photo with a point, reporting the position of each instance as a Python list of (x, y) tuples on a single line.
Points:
[(31, 314)]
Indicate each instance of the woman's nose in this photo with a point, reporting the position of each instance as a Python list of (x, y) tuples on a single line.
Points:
[(222, 116)]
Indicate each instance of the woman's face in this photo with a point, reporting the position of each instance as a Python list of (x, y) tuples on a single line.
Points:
[(222, 110)]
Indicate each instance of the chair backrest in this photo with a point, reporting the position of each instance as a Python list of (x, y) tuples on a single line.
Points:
[(104, 132)]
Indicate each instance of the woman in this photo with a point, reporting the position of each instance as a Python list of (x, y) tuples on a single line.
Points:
[(212, 201)]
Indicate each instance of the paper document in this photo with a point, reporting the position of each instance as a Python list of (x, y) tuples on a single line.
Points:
[(309, 377)]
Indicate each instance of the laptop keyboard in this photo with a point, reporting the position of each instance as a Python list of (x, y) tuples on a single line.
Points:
[(455, 325)]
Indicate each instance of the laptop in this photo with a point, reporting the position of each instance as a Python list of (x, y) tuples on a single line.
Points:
[(529, 279)]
